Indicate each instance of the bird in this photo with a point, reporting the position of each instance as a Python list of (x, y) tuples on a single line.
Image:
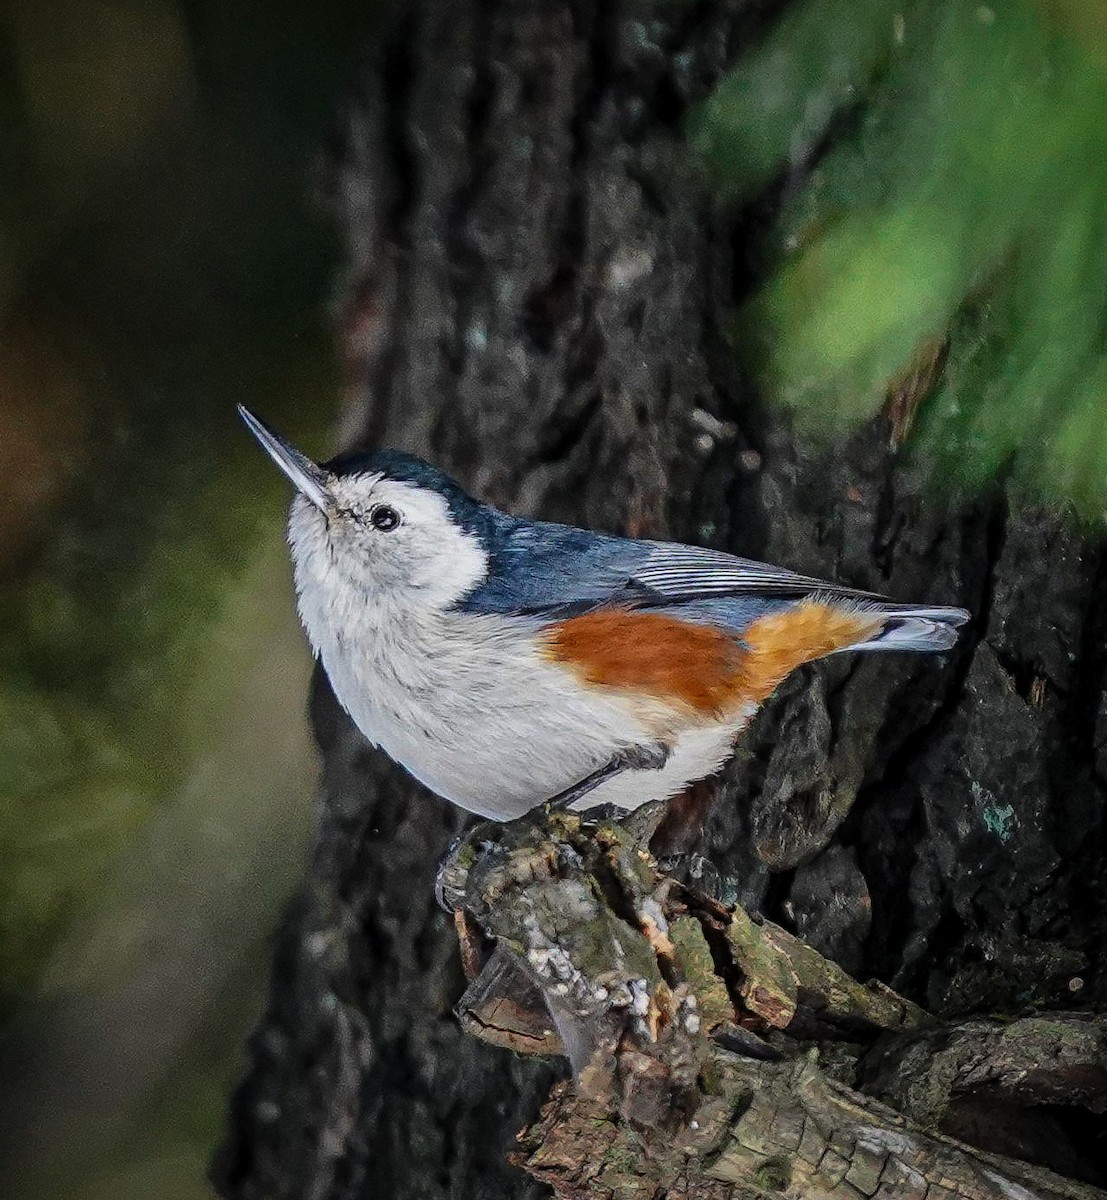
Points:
[(509, 663)]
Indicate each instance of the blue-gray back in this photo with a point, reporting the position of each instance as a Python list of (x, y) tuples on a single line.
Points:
[(558, 571)]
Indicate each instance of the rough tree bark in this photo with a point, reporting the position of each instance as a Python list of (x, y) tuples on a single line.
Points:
[(536, 287)]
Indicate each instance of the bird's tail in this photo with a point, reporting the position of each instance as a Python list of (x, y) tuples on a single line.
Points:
[(907, 627)]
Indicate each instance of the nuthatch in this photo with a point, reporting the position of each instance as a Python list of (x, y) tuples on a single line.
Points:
[(507, 662)]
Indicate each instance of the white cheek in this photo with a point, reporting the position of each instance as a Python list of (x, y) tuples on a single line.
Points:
[(449, 567)]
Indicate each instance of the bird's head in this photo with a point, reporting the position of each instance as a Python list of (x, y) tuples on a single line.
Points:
[(381, 527)]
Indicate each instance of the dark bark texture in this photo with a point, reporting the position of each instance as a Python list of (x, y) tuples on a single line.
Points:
[(537, 285)]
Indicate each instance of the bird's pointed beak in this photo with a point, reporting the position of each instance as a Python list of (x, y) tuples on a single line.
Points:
[(309, 479)]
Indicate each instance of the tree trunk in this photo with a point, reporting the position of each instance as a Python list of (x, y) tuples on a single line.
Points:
[(537, 287)]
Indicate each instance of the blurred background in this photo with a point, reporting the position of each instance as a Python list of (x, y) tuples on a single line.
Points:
[(928, 187), (160, 259), (935, 179)]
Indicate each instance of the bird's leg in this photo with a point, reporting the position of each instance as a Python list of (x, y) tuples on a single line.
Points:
[(650, 757)]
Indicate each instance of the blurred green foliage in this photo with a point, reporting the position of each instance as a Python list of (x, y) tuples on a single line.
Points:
[(162, 264), (159, 261), (943, 171)]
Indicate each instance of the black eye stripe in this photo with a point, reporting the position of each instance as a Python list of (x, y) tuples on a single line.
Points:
[(384, 517)]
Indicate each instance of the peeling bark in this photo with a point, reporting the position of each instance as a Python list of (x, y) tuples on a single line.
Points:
[(535, 296)]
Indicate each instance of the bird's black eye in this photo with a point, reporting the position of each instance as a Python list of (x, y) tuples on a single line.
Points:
[(384, 517)]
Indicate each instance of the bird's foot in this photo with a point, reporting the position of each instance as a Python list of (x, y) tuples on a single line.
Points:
[(600, 814), (462, 853)]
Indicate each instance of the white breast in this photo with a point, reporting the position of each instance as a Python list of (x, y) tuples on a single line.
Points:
[(470, 708)]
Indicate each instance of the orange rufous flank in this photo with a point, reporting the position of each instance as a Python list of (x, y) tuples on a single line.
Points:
[(661, 655), (703, 667)]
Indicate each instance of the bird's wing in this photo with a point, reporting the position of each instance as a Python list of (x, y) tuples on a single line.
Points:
[(679, 572), (554, 569)]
